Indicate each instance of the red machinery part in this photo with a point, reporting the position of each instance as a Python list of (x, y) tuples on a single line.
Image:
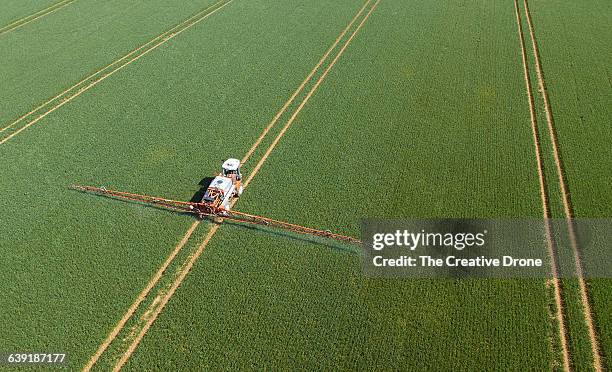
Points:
[(203, 209)]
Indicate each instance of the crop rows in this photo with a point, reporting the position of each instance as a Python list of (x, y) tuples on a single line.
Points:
[(128, 344), (79, 144), (400, 122), (23, 12), (422, 111), (577, 94), (40, 112), (48, 56)]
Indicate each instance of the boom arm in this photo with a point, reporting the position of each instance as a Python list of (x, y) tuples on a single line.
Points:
[(202, 209), (173, 205), (259, 220)]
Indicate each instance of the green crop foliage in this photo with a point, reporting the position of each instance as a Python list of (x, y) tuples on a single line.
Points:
[(574, 45), (425, 115), (76, 261), (15, 10), (412, 122), (48, 56)]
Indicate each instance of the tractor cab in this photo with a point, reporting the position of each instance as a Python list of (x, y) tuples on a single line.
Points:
[(231, 169), (224, 187)]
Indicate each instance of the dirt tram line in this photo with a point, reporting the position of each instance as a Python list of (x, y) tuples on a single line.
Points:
[(565, 197), (66, 96), (552, 249), (156, 308), (34, 16)]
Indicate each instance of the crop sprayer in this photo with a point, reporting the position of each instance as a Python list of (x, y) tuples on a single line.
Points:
[(217, 202)]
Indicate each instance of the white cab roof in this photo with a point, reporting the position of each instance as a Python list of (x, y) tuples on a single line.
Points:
[(231, 164)]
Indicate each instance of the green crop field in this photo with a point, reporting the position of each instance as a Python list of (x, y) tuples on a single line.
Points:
[(343, 110), (15, 12), (575, 52)]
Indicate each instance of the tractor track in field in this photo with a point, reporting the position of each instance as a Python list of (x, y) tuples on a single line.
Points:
[(155, 308), (34, 16), (552, 251), (141, 297), (284, 108), (565, 196), (102, 74), (154, 311), (567, 203)]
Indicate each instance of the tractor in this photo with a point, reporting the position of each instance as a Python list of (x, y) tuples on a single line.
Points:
[(217, 202), (226, 186)]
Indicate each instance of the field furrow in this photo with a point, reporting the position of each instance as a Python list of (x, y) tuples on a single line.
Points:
[(385, 135), (56, 52), (40, 112), (572, 40), (18, 13), (337, 111), (558, 308), (96, 255), (161, 299)]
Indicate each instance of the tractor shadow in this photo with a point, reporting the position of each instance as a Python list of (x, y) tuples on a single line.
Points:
[(204, 183), (323, 242), (135, 202), (197, 198)]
